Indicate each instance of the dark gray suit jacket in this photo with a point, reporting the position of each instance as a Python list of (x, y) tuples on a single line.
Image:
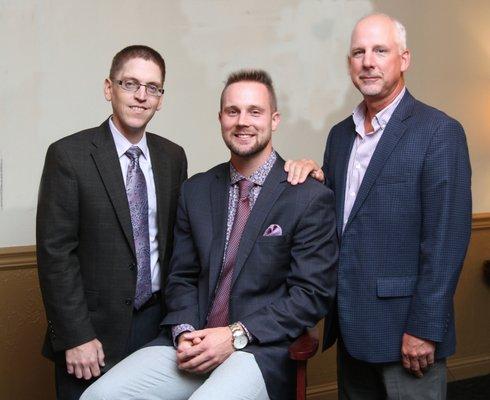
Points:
[(281, 284), (85, 247)]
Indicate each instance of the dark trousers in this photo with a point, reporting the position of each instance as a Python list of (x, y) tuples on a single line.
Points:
[(359, 380), (144, 328)]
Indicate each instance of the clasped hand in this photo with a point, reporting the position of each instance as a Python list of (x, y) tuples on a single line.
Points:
[(201, 351)]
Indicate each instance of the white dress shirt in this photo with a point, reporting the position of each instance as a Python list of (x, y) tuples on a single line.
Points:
[(123, 145)]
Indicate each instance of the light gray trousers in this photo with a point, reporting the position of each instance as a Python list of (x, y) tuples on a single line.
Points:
[(359, 380), (152, 374)]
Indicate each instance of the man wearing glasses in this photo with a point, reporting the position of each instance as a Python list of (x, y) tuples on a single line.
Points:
[(105, 219)]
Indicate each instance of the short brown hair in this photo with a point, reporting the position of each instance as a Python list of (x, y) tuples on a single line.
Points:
[(252, 75), (136, 51)]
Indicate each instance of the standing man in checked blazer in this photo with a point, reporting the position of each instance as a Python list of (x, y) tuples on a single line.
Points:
[(253, 265), (401, 176), (105, 219)]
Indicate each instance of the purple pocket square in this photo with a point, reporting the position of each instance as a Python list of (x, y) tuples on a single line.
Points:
[(273, 230)]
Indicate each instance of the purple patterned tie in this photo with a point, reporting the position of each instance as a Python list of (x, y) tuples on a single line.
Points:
[(138, 208), (219, 315)]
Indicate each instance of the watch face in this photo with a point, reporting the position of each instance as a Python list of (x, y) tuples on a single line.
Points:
[(240, 342)]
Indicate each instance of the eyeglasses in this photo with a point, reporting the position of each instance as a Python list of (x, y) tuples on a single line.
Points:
[(131, 85)]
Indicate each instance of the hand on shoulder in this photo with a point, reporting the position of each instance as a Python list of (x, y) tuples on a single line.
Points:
[(299, 170)]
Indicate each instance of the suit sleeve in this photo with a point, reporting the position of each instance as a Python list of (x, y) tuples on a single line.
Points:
[(58, 265), (312, 278), (327, 171), (181, 292), (183, 168), (446, 228)]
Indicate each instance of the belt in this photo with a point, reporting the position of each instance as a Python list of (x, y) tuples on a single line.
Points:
[(154, 299)]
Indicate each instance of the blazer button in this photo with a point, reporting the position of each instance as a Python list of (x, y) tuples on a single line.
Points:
[(128, 302), (132, 266)]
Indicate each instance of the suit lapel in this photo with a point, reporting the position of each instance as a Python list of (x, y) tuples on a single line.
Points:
[(274, 185), (162, 171), (219, 210), (107, 162), (393, 133), (343, 154)]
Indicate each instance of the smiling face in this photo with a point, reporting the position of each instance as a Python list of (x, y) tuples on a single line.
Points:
[(376, 62), (133, 110), (247, 121)]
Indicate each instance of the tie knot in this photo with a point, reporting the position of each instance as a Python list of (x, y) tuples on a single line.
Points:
[(134, 153), (244, 187)]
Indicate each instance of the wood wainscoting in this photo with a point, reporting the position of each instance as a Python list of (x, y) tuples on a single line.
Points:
[(472, 323), (27, 375)]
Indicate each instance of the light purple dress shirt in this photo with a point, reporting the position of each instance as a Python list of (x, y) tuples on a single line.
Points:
[(363, 148)]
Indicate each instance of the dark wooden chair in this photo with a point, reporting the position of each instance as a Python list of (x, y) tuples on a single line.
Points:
[(301, 350)]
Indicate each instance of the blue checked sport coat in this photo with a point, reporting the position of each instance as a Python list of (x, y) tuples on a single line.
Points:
[(403, 246)]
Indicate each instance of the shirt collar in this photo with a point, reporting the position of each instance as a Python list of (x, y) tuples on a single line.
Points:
[(123, 144), (258, 177), (381, 119)]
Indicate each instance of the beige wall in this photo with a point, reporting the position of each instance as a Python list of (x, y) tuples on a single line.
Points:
[(55, 55), (25, 375), (450, 42)]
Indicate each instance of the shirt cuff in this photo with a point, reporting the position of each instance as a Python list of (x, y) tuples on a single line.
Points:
[(179, 329)]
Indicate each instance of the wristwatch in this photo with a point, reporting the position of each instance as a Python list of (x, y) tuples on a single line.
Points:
[(239, 338)]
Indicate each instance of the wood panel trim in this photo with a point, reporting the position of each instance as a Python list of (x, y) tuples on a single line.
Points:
[(480, 221), (469, 366), (19, 257), (323, 389), (458, 368)]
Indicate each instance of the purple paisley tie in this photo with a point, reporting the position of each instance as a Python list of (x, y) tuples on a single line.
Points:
[(219, 315), (138, 208)]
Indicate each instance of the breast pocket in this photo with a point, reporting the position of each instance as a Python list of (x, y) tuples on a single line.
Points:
[(271, 254), (275, 240), (391, 180)]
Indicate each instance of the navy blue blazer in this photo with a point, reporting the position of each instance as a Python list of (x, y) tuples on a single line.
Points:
[(402, 249), (281, 284)]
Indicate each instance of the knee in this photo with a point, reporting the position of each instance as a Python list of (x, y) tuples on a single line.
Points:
[(96, 391)]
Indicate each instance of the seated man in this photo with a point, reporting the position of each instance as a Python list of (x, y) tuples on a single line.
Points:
[(254, 263)]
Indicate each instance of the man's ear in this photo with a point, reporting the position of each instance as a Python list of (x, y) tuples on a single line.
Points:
[(160, 102), (406, 57), (276, 118), (108, 89)]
